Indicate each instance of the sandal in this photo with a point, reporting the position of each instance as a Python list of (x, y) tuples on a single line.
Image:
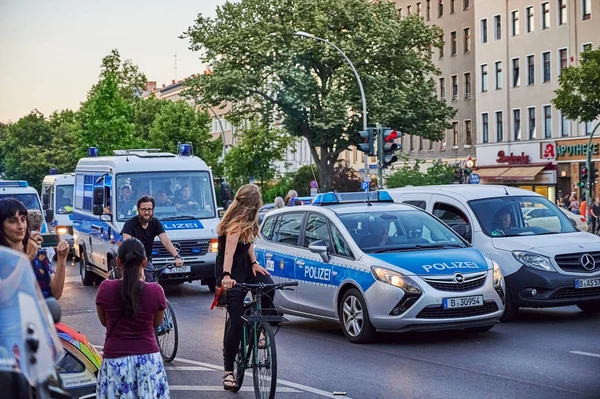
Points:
[(229, 383), (262, 342)]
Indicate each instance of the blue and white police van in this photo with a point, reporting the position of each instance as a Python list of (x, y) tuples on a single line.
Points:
[(373, 265), (106, 192), (57, 200), (22, 191)]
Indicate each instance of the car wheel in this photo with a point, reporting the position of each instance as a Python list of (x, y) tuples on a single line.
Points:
[(480, 329), (87, 277), (354, 317), (511, 310), (590, 307)]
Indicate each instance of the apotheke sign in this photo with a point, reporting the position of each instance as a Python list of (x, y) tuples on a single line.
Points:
[(568, 150), (512, 159)]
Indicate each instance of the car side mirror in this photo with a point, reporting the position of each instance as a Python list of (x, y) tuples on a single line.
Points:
[(54, 308), (98, 210), (98, 196), (320, 247), (49, 215)]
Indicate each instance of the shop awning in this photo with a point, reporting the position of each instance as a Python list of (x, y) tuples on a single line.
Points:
[(522, 173), (490, 172)]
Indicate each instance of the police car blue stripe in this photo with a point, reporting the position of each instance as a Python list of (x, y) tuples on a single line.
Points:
[(182, 225), (436, 262)]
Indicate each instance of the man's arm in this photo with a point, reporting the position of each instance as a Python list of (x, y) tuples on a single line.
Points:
[(125, 236), (164, 238)]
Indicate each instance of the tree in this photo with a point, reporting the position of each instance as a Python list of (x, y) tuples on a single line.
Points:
[(259, 64), (179, 122), (64, 141), (131, 81), (144, 114), (411, 175), (258, 148), (577, 96)]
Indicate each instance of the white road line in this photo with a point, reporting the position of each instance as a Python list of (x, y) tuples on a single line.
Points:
[(585, 353), (279, 381), (187, 368), (219, 388)]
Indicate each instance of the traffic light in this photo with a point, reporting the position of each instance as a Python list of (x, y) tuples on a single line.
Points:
[(367, 138), (594, 173), (458, 175), (388, 146), (583, 176)]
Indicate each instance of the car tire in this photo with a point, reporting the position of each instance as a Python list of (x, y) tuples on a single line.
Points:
[(511, 310), (590, 306), (87, 277), (354, 318), (480, 329)]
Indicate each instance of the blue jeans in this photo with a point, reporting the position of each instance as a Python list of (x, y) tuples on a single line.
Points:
[(148, 274)]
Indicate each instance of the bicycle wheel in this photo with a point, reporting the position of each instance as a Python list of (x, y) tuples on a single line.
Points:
[(239, 370), (265, 371), (167, 335)]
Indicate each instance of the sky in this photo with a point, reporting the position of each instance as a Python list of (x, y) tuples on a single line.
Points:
[(51, 50)]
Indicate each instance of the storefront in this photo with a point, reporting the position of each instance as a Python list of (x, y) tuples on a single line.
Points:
[(570, 158), (520, 165)]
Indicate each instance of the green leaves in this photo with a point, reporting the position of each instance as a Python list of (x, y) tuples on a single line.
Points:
[(411, 175)]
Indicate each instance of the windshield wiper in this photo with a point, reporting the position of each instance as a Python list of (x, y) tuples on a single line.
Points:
[(439, 246), (392, 249), (178, 217)]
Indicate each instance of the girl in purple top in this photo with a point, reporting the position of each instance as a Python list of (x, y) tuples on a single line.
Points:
[(131, 309)]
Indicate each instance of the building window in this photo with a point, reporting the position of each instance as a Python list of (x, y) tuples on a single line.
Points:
[(452, 6), (530, 22), (564, 126), (454, 134), (498, 65), (485, 128), (517, 124), (452, 43), (412, 142), (545, 15), (468, 133), (562, 12), (454, 87), (419, 9), (588, 127), (562, 59), (531, 117), (547, 67), (400, 12), (442, 88), (484, 78), (497, 27), (586, 7), (484, 31), (408, 10), (530, 70), (428, 10), (499, 127), (547, 122), (587, 46), (440, 8), (442, 47), (467, 39), (515, 23), (466, 4), (468, 85), (516, 74)]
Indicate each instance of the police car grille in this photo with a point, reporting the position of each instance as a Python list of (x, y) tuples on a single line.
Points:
[(188, 248), (569, 293), (438, 311), (455, 287), (572, 262)]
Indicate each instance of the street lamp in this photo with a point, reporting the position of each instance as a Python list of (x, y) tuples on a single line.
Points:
[(360, 86)]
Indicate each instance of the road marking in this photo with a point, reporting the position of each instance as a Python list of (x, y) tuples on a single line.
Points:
[(187, 368), (585, 353), (219, 388), (306, 388)]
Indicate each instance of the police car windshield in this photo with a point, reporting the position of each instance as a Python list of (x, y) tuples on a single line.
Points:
[(516, 215), (29, 200), (64, 199), (177, 195), (398, 230)]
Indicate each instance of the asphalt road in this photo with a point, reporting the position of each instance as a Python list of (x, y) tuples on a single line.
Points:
[(551, 353)]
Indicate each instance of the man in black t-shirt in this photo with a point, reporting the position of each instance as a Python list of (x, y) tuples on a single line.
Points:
[(594, 214), (145, 227)]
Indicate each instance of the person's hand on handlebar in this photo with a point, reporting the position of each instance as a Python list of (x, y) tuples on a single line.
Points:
[(228, 282), (178, 262)]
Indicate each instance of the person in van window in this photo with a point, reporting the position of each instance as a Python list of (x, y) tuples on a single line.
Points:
[(131, 309), (16, 233), (162, 199), (185, 198), (125, 203), (502, 223)]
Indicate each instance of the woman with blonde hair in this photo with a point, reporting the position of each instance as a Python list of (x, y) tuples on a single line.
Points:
[(236, 262), (278, 203), (290, 198)]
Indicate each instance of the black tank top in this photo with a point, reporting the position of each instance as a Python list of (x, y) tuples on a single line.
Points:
[(241, 269)]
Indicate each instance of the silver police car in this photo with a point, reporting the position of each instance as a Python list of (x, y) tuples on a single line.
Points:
[(374, 265)]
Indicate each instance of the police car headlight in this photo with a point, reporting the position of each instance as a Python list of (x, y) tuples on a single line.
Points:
[(533, 260), (396, 279), (62, 230), (497, 275)]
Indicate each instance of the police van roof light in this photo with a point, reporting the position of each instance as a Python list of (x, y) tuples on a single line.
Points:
[(185, 150), (14, 183), (93, 151), (355, 197), (52, 171)]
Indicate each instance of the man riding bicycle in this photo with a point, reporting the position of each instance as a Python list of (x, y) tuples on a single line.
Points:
[(145, 227)]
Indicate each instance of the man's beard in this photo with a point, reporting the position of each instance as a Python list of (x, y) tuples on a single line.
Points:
[(145, 219)]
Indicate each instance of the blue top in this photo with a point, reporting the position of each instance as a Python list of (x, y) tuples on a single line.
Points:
[(42, 267)]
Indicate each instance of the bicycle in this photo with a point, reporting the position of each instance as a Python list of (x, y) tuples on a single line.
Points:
[(167, 334), (262, 359)]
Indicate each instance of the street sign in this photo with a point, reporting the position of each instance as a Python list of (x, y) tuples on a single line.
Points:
[(314, 184), (364, 186), (314, 192), (474, 178)]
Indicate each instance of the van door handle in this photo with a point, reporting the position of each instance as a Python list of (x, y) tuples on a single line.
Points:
[(300, 263), (269, 256), (97, 228)]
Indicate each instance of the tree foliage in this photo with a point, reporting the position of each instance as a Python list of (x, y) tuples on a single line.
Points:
[(131, 81), (411, 175), (260, 65), (578, 96)]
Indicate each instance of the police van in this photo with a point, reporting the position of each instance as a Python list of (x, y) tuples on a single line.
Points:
[(20, 190), (57, 200), (106, 193)]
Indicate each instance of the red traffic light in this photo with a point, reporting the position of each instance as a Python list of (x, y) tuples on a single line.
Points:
[(584, 171), (393, 135)]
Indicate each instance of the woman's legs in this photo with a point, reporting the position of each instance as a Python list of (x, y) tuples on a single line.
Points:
[(233, 335)]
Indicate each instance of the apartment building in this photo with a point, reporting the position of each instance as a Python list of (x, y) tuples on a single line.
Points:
[(456, 82), (521, 48)]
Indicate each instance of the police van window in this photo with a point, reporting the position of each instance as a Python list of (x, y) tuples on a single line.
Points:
[(267, 228), (287, 230), (316, 229), (79, 179), (418, 204), (64, 199), (177, 195), (339, 244), (449, 214)]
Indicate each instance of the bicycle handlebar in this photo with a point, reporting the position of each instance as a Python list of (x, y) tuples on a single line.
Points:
[(263, 286)]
